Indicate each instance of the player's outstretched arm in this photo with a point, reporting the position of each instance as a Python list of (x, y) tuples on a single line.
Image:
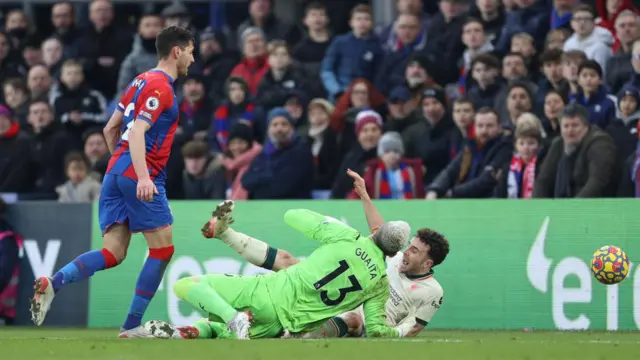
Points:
[(112, 130), (374, 219), (319, 227), (375, 324)]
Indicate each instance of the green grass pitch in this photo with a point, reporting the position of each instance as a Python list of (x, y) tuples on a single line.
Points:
[(99, 344)]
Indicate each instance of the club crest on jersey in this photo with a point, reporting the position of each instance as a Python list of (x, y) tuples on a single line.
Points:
[(152, 103)]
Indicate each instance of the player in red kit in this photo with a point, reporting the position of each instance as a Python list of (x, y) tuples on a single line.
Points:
[(139, 135)]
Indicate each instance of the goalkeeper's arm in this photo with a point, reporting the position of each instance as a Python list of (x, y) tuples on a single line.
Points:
[(319, 227), (374, 314)]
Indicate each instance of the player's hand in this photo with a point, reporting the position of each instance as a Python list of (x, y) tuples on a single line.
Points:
[(358, 184), (146, 189)]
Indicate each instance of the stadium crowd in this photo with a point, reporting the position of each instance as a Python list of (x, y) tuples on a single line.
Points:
[(484, 98)]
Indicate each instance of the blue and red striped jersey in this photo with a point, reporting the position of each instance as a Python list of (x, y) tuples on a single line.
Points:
[(149, 97)]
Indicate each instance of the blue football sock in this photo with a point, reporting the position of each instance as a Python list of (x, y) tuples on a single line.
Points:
[(148, 282), (82, 268)]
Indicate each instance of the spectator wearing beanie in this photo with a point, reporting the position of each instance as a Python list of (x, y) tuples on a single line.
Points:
[(391, 176), (284, 169), (594, 95), (368, 128), (324, 144), (242, 150), (624, 129), (417, 75), (254, 64), (430, 139), (360, 95)]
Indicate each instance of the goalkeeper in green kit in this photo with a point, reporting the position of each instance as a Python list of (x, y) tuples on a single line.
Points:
[(347, 270)]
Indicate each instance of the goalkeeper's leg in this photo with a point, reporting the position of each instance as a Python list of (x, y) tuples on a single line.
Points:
[(255, 251), (202, 295)]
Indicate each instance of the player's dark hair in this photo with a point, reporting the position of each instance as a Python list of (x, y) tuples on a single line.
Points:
[(73, 157), (172, 36), (438, 244)]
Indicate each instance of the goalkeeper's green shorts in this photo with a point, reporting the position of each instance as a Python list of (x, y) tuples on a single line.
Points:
[(248, 293)]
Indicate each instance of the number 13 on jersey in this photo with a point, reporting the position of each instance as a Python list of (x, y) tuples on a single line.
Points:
[(343, 266)]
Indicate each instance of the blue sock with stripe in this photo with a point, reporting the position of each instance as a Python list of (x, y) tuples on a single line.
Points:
[(83, 267), (147, 284)]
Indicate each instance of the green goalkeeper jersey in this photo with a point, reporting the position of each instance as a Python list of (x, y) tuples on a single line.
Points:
[(347, 270)]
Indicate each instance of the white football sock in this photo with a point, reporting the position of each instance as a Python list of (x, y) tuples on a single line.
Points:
[(252, 250)]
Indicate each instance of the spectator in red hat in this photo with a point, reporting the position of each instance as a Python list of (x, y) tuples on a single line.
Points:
[(368, 129)]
